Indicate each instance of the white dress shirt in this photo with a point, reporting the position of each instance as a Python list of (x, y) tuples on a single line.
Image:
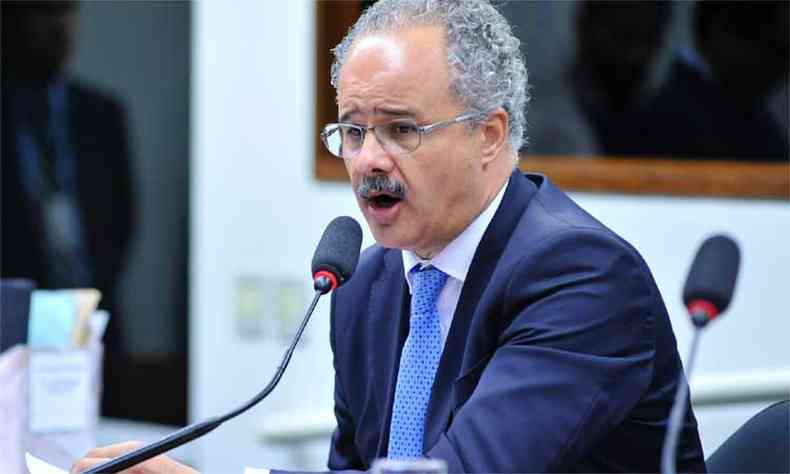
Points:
[(454, 260)]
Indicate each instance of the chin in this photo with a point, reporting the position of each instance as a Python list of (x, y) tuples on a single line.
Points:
[(384, 236), (388, 237), (397, 234)]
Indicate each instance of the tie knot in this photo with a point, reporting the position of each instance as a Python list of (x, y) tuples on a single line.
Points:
[(426, 284)]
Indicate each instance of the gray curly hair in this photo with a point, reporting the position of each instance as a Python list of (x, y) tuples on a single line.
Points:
[(487, 67)]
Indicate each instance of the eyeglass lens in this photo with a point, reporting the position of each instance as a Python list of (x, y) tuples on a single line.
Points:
[(346, 141)]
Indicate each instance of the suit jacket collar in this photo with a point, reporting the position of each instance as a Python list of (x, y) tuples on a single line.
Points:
[(517, 196), (389, 310)]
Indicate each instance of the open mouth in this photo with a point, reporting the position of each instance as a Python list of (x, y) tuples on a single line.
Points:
[(384, 201)]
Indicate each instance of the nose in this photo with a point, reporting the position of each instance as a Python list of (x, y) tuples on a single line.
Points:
[(372, 158)]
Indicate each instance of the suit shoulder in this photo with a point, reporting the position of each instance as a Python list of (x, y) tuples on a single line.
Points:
[(554, 224), (553, 209), (552, 214)]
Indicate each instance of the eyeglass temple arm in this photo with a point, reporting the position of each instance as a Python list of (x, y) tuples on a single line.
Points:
[(438, 126)]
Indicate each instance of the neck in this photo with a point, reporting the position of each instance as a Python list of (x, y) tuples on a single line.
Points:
[(424, 256), (488, 195)]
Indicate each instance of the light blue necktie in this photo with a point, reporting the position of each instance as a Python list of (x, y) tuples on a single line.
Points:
[(418, 363)]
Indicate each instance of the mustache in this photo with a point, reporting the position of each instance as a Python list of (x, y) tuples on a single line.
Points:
[(381, 184)]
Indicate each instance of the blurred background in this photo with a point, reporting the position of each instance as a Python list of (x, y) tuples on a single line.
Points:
[(682, 80), (96, 112), (182, 139)]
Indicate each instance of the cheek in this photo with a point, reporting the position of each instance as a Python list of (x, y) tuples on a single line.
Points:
[(351, 174), (429, 198), (443, 173), (464, 162)]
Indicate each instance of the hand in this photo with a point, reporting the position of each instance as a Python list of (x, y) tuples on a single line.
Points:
[(157, 465)]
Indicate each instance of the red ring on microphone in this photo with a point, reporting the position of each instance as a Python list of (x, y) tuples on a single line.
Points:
[(329, 275), (705, 307)]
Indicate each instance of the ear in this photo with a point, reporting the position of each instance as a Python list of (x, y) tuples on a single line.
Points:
[(494, 135)]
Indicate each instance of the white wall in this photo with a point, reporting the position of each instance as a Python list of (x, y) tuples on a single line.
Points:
[(258, 212)]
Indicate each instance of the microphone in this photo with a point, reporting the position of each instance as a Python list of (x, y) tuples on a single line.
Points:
[(706, 294), (333, 264), (337, 254), (711, 280)]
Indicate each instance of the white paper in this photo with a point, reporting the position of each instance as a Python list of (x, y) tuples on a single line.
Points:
[(98, 323), (59, 391), (250, 470), (37, 466), (13, 385)]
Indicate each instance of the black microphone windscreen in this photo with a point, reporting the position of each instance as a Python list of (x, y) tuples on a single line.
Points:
[(338, 249), (713, 272)]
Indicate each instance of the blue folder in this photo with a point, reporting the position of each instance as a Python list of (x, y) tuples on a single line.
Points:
[(14, 311)]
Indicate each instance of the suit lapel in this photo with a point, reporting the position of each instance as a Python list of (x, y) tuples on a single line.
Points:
[(389, 300), (456, 350)]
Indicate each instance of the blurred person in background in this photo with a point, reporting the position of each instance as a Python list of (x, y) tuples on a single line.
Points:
[(726, 96), (614, 75), (67, 203)]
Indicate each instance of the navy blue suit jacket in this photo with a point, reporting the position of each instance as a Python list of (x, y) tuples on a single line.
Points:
[(560, 356)]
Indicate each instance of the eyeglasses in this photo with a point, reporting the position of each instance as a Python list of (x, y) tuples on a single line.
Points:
[(399, 137)]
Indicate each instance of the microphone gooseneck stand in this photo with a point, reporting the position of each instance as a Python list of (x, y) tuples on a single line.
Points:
[(669, 451), (188, 433), (706, 294)]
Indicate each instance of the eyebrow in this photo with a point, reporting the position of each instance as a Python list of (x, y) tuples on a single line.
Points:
[(395, 112), (347, 115), (389, 111)]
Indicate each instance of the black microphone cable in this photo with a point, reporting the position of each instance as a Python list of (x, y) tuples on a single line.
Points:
[(335, 259)]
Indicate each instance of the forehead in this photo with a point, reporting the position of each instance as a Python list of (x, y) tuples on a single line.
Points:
[(405, 69)]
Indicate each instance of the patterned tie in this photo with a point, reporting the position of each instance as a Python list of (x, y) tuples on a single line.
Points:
[(418, 363)]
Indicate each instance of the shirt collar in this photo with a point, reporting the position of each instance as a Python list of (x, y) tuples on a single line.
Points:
[(455, 259)]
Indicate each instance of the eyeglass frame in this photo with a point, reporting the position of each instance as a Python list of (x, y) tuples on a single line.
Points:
[(420, 129)]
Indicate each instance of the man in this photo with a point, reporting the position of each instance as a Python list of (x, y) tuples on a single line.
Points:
[(67, 201), (496, 325)]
